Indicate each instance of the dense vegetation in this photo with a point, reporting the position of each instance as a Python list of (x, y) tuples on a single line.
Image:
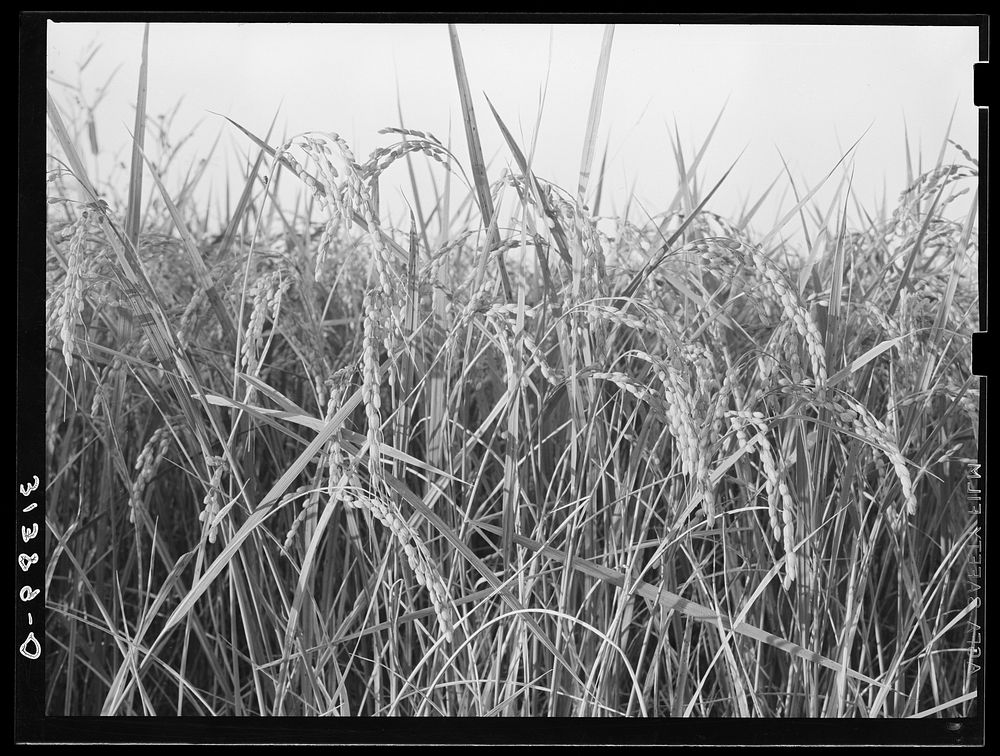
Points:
[(510, 458)]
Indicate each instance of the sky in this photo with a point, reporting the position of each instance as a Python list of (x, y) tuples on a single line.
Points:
[(800, 94)]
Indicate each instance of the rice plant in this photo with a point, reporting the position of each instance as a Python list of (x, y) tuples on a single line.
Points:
[(507, 456)]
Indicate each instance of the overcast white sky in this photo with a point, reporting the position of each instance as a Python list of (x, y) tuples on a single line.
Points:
[(809, 91)]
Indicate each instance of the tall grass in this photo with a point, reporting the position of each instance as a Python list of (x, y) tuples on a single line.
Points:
[(511, 458)]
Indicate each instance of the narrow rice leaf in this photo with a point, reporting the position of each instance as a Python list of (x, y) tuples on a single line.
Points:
[(801, 203), (837, 284), (795, 193), (685, 191), (511, 489), (166, 588), (273, 394), (909, 161), (418, 206), (482, 184), (594, 116), (946, 705), (598, 193), (133, 211), (263, 413), (195, 173), (62, 136), (688, 174), (745, 218), (860, 362), (550, 216), (947, 133), (648, 268)]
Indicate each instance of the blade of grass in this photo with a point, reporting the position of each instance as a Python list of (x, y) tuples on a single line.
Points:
[(746, 217), (482, 184), (557, 233), (244, 201), (62, 136), (132, 213), (688, 173), (647, 270), (594, 116), (413, 177), (600, 181), (812, 192), (863, 360), (795, 193), (837, 284)]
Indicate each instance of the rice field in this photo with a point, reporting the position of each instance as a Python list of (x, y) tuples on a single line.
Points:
[(509, 456)]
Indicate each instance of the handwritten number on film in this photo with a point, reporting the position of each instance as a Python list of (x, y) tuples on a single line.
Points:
[(30, 648)]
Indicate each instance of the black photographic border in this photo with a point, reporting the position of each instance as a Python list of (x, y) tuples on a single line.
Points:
[(31, 726)]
